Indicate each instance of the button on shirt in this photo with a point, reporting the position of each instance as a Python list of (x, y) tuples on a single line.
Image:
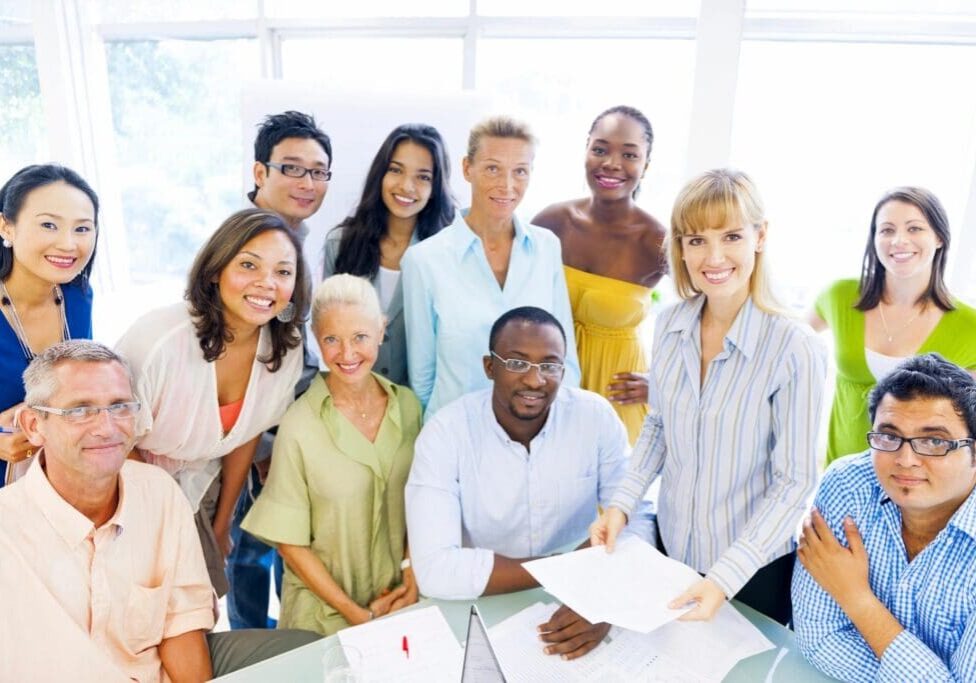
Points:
[(123, 588), (933, 597), (473, 491), (737, 454), (451, 299)]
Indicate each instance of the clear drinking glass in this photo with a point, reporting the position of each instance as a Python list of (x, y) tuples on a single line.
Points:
[(341, 664)]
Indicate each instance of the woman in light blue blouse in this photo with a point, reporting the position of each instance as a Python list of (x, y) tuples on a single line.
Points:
[(458, 282), (736, 390)]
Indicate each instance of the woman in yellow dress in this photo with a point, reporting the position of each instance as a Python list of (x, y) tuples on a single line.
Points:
[(613, 255)]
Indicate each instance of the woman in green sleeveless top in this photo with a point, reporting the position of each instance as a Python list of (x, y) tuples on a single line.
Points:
[(900, 308)]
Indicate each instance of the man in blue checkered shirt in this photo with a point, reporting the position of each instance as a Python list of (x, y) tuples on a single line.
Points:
[(886, 584)]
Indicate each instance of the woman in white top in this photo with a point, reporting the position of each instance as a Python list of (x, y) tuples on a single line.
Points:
[(217, 371), (406, 199)]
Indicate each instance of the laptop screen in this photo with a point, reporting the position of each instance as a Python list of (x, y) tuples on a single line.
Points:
[(480, 663)]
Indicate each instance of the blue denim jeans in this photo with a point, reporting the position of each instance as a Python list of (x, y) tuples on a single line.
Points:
[(249, 567)]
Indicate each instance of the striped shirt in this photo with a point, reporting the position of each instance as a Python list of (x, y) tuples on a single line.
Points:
[(737, 453), (933, 597)]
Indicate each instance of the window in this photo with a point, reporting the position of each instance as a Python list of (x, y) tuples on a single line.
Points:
[(174, 104), (23, 134), (582, 78), (367, 8), (826, 128), (126, 11)]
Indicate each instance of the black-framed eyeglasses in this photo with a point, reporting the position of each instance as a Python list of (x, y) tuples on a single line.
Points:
[(923, 445), (521, 367), (82, 414), (295, 171)]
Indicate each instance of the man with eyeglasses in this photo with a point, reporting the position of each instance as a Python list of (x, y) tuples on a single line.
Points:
[(886, 585), (101, 573), (292, 158), (512, 473)]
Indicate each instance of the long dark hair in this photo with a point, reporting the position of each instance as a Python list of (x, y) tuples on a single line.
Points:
[(359, 249), (873, 272), (204, 297), (25, 181)]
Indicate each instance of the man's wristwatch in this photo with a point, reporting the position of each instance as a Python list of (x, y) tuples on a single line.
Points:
[(405, 564)]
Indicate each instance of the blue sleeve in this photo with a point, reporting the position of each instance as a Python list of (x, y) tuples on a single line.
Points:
[(444, 569), (564, 314), (420, 321)]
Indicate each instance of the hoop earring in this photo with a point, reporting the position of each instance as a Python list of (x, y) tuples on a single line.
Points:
[(286, 314)]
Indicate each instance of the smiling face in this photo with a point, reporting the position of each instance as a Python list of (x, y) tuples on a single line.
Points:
[(919, 484), (258, 282), (904, 241), (79, 454), (349, 338), (720, 262), (616, 157), (53, 236), (296, 199), (524, 397), (499, 176), (408, 180)]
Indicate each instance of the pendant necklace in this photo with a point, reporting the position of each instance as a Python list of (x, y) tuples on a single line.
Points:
[(18, 326), (904, 327)]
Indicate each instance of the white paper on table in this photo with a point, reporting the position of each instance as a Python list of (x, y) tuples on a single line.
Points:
[(630, 587), (435, 654), (624, 658)]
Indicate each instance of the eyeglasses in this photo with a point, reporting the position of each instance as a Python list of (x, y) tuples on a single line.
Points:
[(521, 367), (294, 171), (83, 414), (923, 445)]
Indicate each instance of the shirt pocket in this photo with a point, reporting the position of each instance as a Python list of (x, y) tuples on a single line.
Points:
[(145, 617)]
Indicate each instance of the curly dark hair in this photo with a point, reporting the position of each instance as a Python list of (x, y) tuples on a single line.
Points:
[(203, 295)]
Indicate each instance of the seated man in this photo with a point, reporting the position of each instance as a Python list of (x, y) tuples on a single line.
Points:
[(511, 473), (897, 600), (101, 573)]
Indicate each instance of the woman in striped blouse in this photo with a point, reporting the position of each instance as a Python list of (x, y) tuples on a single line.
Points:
[(735, 393)]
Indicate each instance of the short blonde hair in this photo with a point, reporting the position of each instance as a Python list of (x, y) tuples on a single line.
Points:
[(498, 127), (709, 202), (345, 289)]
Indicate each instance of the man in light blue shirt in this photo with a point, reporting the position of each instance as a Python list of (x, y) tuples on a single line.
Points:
[(886, 585), (512, 473)]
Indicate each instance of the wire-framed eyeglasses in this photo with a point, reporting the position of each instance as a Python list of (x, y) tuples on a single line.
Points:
[(81, 414), (521, 367)]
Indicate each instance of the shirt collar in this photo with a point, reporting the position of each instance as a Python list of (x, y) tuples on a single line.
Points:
[(964, 518), (71, 525), (320, 397), (743, 334), (491, 422), (464, 239), (301, 231)]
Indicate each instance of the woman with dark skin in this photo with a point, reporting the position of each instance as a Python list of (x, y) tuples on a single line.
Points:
[(613, 255)]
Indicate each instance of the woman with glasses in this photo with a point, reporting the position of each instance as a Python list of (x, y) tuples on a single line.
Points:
[(333, 503), (735, 389), (406, 199), (458, 282), (613, 255), (48, 226), (899, 308), (217, 371)]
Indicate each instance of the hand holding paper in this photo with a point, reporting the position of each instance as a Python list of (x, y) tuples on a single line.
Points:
[(607, 527)]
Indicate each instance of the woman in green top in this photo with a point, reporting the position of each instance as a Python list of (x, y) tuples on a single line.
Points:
[(333, 502), (900, 308)]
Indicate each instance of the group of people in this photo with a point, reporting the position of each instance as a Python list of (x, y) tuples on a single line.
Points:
[(486, 401)]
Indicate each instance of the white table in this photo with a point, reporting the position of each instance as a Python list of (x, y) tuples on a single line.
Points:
[(304, 665)]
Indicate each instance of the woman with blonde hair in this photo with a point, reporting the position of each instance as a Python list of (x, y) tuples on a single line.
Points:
[(488, 261), (735, 389), (333, 503)]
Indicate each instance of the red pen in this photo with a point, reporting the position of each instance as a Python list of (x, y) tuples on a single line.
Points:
[(405, 647)]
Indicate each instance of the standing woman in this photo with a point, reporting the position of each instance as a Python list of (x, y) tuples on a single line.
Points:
[(333, 503), (406, 199), (736, 390), (218, 370), (613, 255), (458, 282), (48, 226), (901, 307)]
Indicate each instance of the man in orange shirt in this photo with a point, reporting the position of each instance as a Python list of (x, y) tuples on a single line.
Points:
[(101, 573)]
